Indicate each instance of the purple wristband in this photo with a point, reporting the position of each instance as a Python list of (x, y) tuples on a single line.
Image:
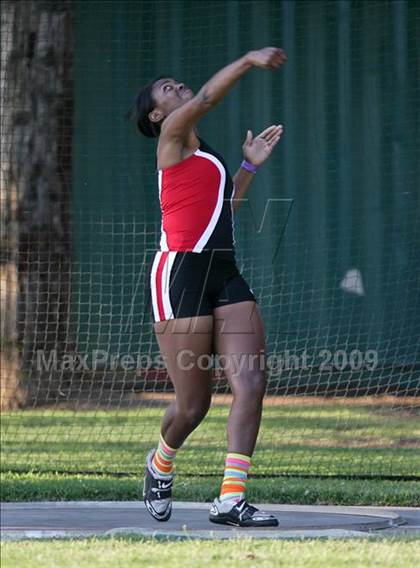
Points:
[(249, 167)]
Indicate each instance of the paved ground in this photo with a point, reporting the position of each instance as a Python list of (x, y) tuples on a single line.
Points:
[(189, 520)]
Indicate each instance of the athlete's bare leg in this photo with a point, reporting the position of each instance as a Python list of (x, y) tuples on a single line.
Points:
[(182, 341), (240, 341)]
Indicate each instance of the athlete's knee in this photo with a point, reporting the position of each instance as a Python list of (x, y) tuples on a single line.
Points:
[(195, 410), (251, 385)]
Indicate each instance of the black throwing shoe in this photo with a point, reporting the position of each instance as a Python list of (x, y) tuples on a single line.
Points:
[(240, 514), (157, 492)]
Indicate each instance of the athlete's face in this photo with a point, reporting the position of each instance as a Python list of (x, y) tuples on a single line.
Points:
[(169, 95)]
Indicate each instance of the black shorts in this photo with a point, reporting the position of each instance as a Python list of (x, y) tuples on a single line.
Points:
[(186, 284)]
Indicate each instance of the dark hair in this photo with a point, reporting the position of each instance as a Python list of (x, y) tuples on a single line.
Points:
[(139, 110)]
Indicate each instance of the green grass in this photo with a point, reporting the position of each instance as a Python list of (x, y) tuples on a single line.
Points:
[(295, 439), (51, 487), (127, 552)]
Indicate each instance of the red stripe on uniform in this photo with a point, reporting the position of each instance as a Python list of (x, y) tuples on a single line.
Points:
[(159, 290)]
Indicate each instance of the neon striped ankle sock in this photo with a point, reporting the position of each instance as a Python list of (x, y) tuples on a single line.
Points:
[(163, 459), (234, 480)]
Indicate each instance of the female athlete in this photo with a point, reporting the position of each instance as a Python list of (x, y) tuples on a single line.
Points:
[(201, 304)]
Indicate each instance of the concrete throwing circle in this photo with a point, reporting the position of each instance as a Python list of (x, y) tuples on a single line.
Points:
[(189, 520)]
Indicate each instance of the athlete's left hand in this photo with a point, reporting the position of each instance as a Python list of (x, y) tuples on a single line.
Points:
[(257, 150)]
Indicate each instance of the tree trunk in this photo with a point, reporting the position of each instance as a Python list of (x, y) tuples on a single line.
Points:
[(36, 121)]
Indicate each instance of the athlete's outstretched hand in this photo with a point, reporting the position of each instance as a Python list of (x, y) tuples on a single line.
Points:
[(257, 150), (267, 58)]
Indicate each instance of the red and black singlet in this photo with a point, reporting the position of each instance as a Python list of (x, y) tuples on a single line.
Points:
[(196, 204)]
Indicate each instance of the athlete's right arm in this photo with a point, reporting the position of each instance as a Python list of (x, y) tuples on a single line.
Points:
[(181, 120)]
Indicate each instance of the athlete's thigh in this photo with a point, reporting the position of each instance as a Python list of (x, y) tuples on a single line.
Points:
[(239, 337), (186, 346)]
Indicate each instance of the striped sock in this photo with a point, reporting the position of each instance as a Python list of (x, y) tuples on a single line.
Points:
[(236, 473), (163, 459)]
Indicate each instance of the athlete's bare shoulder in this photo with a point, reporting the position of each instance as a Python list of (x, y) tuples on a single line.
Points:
[(170, 152)]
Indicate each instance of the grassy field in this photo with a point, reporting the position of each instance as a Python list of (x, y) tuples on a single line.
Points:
[(395, 553), (303, 436), (59, 487), (299, 436)]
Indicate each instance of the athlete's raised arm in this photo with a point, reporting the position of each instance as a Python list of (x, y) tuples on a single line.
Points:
[(178, 123)]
